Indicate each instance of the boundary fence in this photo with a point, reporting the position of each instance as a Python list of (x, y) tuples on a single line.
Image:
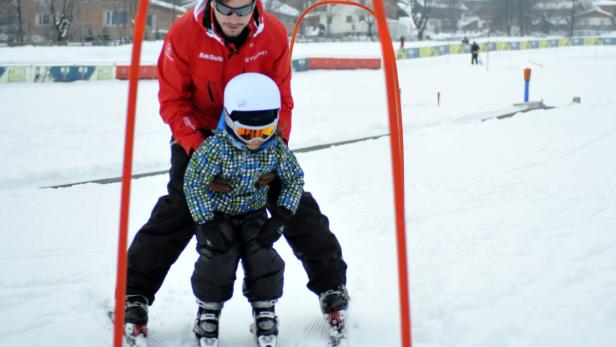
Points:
[(459, 48), (70, 73)]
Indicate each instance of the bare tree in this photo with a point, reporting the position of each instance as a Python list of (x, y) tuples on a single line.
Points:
[(512, 14), (454, 8), (503, 21), (304, 5), (420, 15), (576, 6), (20, 29), (269, 5), (62, 17), (11, 20), (370, 21), (524, 15)]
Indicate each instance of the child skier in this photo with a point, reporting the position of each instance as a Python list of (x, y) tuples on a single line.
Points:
[(234, 225)]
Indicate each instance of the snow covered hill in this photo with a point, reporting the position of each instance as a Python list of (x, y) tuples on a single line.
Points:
[(510, 222)]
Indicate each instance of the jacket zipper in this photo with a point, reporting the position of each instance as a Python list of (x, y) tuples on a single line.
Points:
[(209, 90)]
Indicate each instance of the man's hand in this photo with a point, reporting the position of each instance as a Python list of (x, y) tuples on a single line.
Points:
[(266, 179), (218, 185), (274, 228)]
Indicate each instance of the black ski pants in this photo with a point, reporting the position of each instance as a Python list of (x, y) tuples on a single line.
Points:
[(214, 274), (159, 243)]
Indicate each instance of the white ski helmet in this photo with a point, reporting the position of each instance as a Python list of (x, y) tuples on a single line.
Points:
[(252, 102)]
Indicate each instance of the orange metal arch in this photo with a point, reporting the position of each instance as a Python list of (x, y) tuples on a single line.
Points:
[(396, 143)]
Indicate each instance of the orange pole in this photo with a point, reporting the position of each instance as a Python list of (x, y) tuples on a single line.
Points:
[(120, 294), (527, 73), (397, 148)]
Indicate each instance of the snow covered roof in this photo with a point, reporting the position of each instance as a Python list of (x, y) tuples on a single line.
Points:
[(404, 9), (286, 10), (459, 6), (595, 10), (168, 6), (558, 20), (468, 20), (552, 5)]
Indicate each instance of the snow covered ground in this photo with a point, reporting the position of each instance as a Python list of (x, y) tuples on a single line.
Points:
[(510, 222), (151, 49)]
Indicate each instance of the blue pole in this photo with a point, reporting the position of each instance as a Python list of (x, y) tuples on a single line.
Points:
[(527, 73)]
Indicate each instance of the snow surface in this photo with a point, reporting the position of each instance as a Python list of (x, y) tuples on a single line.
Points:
[(105, 55), (510, 222), (151, 49)]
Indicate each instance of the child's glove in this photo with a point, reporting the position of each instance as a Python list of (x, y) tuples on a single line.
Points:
[(266, 179), (218, 185), (274, 227), (215, 235)]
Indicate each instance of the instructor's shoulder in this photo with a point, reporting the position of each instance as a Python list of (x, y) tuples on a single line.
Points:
[(185, 26)]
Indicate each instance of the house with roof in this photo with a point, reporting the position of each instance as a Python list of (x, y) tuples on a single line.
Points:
[(98, 21), (607, 6), (287, 13), (348, 21), (553, 15), (594, 21), (446, 15), (479, 15)]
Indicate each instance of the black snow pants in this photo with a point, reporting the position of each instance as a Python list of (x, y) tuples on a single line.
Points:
[(159, 243), (214, 273)]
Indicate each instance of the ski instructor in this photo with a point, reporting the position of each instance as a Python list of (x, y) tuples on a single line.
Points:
[(203, 50)]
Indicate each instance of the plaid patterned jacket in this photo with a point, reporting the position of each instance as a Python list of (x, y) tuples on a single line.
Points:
[(223, 156)]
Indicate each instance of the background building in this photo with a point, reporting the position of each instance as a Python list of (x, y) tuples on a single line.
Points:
[(110, 21), (95, 21)]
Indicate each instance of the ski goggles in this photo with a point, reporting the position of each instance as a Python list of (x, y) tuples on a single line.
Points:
[(249, 133), (239, 11)]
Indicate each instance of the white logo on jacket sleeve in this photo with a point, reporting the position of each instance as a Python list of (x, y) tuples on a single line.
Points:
[(189, 124), (169, 51), (255, 57), (212, 57)]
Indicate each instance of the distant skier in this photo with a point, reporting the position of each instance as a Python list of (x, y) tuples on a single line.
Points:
[(474, 53), (234, 225)]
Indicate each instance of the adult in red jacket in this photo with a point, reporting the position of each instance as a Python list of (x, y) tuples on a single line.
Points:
[(203, 50)]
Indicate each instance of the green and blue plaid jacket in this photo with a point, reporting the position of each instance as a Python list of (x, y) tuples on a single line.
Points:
[(220, 155)]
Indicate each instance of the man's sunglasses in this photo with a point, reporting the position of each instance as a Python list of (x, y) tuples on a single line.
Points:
[(239, 11)]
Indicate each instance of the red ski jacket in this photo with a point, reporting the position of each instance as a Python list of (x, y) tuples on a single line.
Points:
[(195, 65)]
